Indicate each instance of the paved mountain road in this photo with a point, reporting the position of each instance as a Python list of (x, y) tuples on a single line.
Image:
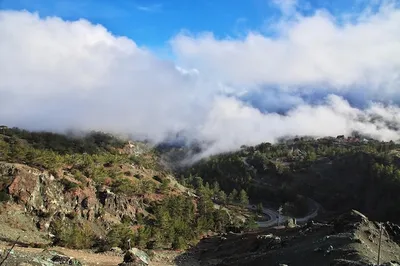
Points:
[(276, 218)]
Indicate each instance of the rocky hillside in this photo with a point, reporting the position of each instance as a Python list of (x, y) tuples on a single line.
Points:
[(49, 200), (96, 191), (348, 240)]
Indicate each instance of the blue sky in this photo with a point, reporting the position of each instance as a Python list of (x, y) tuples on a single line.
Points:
[(152, 23)]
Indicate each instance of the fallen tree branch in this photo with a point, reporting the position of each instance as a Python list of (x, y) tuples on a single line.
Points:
[(9, 251)]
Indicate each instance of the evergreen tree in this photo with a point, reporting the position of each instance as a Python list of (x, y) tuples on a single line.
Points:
[(260, 208), (250, 223), (198, 183), (243, 198), (233, 196), (222, 197), (216, 188)]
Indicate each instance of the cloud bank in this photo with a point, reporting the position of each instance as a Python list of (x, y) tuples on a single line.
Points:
[(317, 76)]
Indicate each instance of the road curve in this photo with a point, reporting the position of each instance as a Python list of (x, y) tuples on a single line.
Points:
[(276, 218)]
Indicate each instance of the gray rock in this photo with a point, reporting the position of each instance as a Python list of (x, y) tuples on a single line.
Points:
[(117, 250), (135, 257), (291, 223), (392, 263), (60, 259)]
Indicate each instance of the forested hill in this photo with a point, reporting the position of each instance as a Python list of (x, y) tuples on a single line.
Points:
[(340, 173), (98, 191)]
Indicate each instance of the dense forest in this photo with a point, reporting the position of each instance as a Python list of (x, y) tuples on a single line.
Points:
[(339, 173)]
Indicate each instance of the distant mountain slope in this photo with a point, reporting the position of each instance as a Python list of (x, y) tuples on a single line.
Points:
[(339, 173)]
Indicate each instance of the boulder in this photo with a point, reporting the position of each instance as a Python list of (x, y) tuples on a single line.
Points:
[(269, 241), (393, 231), (348, 221), (135, 257), (291, 223), (60, 259)]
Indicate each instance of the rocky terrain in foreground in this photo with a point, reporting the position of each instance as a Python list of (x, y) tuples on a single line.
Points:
[(350, 239)]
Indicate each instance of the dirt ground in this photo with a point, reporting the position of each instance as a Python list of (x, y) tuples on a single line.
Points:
[(85, 257), (161, 258)]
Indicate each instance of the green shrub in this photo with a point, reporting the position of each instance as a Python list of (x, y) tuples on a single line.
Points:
[(164, 185), (80, 177), (126, 219), (139, 218), (119, 236), (73, 234), (123, 186), (143, 237), (4, 196), (179, 243), (128, 173), (147, 186), (68, 185)]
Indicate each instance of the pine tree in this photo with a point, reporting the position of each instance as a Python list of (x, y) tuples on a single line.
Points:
[(198, 182), (243, 198), (222, 197), (232, 196), (260, 208), (216, 188), (250, 223)]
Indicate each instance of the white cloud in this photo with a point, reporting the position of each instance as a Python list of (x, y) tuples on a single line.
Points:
[(308, 52), (243, 124), (58, 74), (150, 8)]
